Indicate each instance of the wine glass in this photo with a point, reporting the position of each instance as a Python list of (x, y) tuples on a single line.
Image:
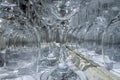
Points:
[(110, 36), (63, 10), (49, 24), (20, 50), (110, 46)]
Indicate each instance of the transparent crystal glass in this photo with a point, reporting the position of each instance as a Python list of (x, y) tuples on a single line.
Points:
[(64, 70), (19, 50), (51, 56), (111, 46), (63, 9)]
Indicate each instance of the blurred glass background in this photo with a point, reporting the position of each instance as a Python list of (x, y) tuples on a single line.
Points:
[(34, 35)]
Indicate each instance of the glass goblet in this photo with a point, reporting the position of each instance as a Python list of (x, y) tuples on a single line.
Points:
[(20, 50)]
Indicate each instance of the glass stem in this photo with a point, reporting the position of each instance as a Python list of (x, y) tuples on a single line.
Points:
[(103, 54), (51, 40), (62, 45)]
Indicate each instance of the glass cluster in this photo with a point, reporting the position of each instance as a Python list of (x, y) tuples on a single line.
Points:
[(35, 36)]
